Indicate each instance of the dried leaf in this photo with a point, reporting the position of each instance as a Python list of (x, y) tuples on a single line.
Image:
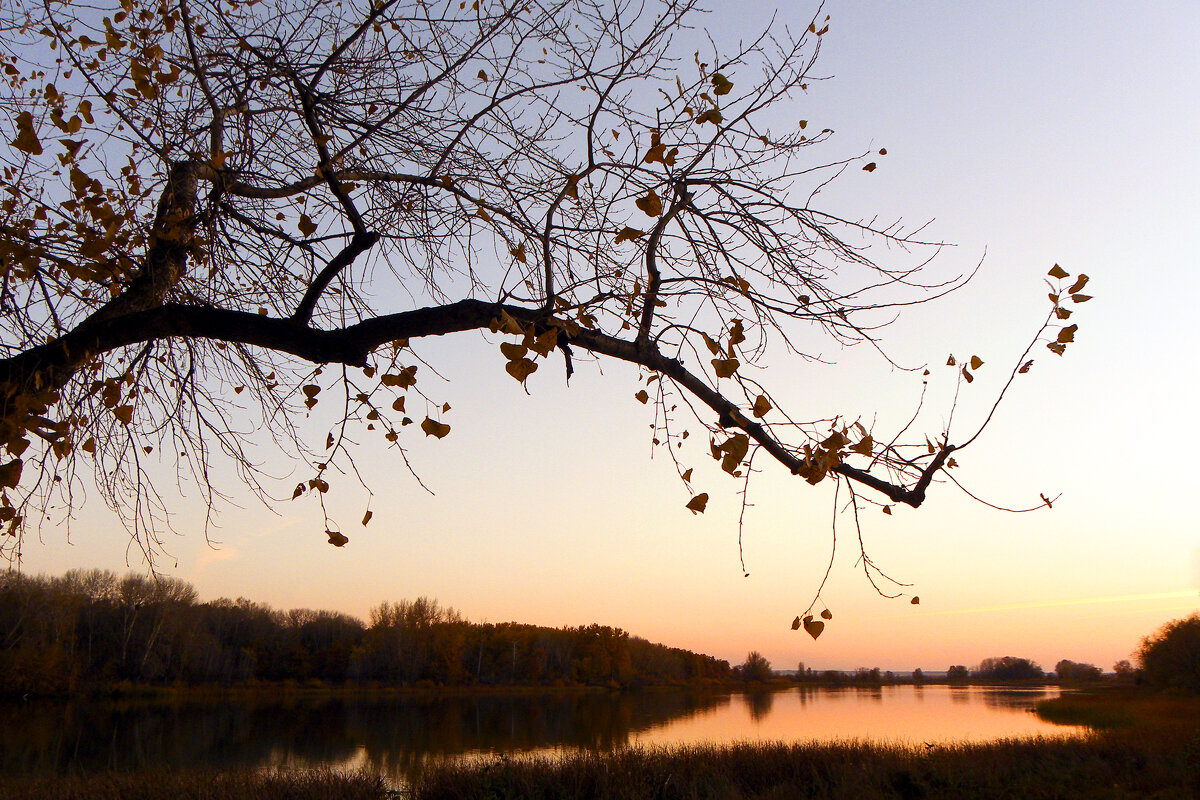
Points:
[(697, 504), (1058, 272), (761, 406), (433, 428), (336, 539), (813, 627), (628, 234), (26, 140), (651, 204)]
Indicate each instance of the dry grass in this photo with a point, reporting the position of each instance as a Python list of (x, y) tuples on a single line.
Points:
[(317, 784)]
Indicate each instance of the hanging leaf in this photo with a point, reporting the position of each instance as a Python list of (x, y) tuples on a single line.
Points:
[(796, 624), (976, 362), (628, 234), (863, 448), (1025, 367), (916, 601), (1078, 285), (518, 252), (761, 406), (27, 140), (1058, 272), (433, 428), (687, 475), (869, 167), (725, 367), (306, 225), (10, 475), (721, 84), (337, 539), (642, 397), (827, 614), (367, 516), (1067, 334), (520, 369), (1080, 298), (813, 627), (299, 490), (651, 204), (512, 351), (697, 504)]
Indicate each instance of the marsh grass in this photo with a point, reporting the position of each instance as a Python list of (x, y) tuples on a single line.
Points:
[(315, 784), (1093, 767)]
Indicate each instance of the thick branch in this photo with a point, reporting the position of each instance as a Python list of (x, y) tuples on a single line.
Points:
[(353, 344)]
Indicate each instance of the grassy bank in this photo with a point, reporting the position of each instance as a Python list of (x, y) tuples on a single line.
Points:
[(199, 785), (1098, 767), (1142, 746)]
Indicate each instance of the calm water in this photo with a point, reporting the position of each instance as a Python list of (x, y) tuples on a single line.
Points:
[(399, 736)]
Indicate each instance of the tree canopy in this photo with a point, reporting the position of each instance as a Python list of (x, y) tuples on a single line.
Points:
[(218, 215)]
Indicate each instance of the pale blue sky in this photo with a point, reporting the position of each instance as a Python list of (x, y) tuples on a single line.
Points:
[(1040, 132)]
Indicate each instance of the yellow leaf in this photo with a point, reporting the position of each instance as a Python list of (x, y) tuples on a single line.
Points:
[(27, 140), (736, 334), (545, 343), (1058, 272), (697, 504), (863, 448), (521, 368), (433, 428), (336, 539), (725, 367), (512, 351), (650, 204), (761, 406), (734, 450)]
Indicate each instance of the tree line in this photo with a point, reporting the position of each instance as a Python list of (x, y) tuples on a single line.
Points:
[(95, 629)]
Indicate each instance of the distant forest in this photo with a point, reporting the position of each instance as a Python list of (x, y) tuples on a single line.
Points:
[(94, 629)]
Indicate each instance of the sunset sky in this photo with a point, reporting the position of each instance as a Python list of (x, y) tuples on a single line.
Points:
[(1030, 134)]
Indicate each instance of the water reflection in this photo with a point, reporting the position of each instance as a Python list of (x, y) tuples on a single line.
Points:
[(398, 737)]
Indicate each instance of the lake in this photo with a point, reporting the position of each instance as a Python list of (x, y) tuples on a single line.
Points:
[(398, 736)]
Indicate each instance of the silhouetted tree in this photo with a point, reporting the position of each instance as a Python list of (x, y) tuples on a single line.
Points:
[(756, 668), (221, 213), (1073, 672), (1009, 668), (1171, 656), (958, 673)]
